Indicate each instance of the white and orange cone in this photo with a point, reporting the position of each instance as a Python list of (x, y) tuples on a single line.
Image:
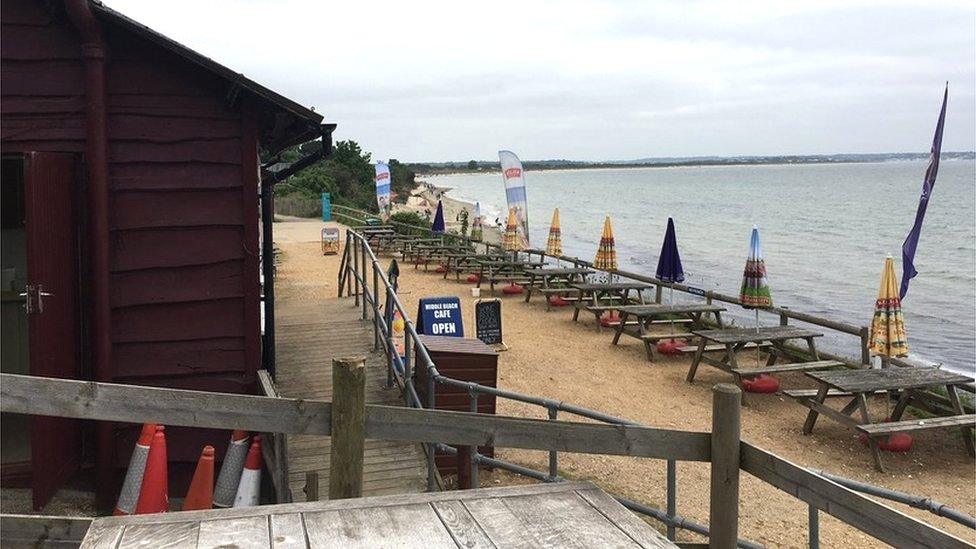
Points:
[(129, 496), (154, 492), (200, 494), (230, 470), (249, 490)]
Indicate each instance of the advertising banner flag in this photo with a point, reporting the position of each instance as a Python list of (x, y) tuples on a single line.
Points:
[(512, 173), (383, 189)]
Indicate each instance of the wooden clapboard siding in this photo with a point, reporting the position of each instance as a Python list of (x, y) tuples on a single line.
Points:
[(309, 335)]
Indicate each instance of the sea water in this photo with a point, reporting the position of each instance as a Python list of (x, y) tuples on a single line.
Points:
[(825, 231)]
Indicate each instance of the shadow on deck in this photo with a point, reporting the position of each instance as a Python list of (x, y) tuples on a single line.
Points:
[(310, 333)]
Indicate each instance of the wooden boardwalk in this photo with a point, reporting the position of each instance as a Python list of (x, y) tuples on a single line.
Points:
[(310, 333)]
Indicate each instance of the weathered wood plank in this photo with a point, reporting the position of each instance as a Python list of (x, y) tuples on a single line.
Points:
[(888, 379), (968, 420), (789, 367), (763, 333), (136, 404), (461, 525), (637, 529), (176, 535), (102, 536), (865, 514), (239, 533), (413, 525), (287, 531)]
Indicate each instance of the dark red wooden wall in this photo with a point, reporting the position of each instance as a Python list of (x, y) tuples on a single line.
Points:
[(183, 203)]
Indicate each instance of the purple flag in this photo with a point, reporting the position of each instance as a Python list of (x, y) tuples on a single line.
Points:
[(911, 242)]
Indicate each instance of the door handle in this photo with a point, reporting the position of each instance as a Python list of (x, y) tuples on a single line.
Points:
[(35, 298)]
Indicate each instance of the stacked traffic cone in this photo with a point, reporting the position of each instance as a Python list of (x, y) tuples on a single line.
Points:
[(153, 494), (200, 494), (249, 490), (129, 495), (230, 470)]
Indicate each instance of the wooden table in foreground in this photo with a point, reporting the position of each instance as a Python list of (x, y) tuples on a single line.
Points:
[(774, 338), (906, 381), (567, 514), (645, 315)]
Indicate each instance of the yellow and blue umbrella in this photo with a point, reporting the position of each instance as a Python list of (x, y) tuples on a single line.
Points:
[(888, 337)]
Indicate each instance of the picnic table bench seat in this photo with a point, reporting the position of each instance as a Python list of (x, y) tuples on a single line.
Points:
[(888, 427), (791, 367), (690, 350), (810, 393)]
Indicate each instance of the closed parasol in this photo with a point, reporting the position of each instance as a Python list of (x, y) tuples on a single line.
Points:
[(888, 337), (477, 229), (755, 295), (438, 225), (606, 254), (554, 245), (511, 241), (669, 270)]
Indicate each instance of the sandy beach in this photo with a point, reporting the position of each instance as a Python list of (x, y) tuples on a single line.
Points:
[(423, 199), (551, 356)]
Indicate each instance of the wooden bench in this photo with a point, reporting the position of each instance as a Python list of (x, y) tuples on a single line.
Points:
[(810, 393), (793, 367), (716, 348), (881, 429)]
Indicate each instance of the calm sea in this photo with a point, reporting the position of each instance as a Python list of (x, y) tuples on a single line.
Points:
[(825, 232)]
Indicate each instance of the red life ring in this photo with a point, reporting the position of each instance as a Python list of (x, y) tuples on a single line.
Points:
[(895, 442), (761, 384)]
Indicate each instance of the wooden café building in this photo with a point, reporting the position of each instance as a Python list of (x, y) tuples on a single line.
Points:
[(131, 226)]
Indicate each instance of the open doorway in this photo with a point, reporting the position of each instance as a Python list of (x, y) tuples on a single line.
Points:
[(40, 290), (15, 451)]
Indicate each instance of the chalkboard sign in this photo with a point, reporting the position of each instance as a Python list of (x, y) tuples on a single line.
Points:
[(440, 316), (488, 320)]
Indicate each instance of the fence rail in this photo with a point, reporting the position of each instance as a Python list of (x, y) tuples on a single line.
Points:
[(821, 494)]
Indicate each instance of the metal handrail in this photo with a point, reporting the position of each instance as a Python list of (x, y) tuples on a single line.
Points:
[(399, 370)]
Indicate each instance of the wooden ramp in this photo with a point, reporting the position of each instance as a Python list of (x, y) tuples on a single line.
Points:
[(310, 333)]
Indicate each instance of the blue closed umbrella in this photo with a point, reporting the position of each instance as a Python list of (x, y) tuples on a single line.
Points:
[(438, 226), (669, 264)]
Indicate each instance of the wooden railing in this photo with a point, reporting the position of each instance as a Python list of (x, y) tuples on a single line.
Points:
[(722, 448)]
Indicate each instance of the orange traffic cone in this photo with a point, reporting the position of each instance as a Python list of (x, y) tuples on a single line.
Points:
[(249, 490), (230, 470), (154, 495), (129, 495), (200, 494)]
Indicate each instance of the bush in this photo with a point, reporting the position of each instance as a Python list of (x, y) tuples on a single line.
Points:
[(410, 218)]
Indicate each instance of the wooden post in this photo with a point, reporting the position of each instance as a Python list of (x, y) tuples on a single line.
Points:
[(464, 467), (865, 343), (311, 486), (724, 497), (348, 427), (657, 293)]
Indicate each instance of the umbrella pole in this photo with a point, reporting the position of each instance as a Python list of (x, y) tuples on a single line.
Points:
[(757, 343), (671, 299)]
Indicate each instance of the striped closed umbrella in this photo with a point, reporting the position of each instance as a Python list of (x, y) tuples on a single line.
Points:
[(511, 241), (606, 254), (888, 337), (554, 246), (755, 287)]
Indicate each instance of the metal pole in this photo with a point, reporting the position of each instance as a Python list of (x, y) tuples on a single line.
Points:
[(813, 526), (355, 267), (553, 455), (672, 497), (376, 307), (473, 393), (362, 242), (431, 467)]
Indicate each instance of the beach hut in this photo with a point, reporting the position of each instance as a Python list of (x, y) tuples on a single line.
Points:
[(132, 216)]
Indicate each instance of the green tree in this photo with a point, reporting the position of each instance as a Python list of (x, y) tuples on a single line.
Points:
[(472, 165)]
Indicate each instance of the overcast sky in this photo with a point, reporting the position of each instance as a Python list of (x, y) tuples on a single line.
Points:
[(583, 80)]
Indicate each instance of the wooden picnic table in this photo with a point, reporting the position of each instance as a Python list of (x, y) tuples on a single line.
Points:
[(729, 341), (543, 279), (645, 315), (466, 262), (908, 382), (565, 514), (614, 294), (500, 270)]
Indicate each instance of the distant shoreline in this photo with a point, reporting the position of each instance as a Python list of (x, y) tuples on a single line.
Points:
[(449, 168)]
